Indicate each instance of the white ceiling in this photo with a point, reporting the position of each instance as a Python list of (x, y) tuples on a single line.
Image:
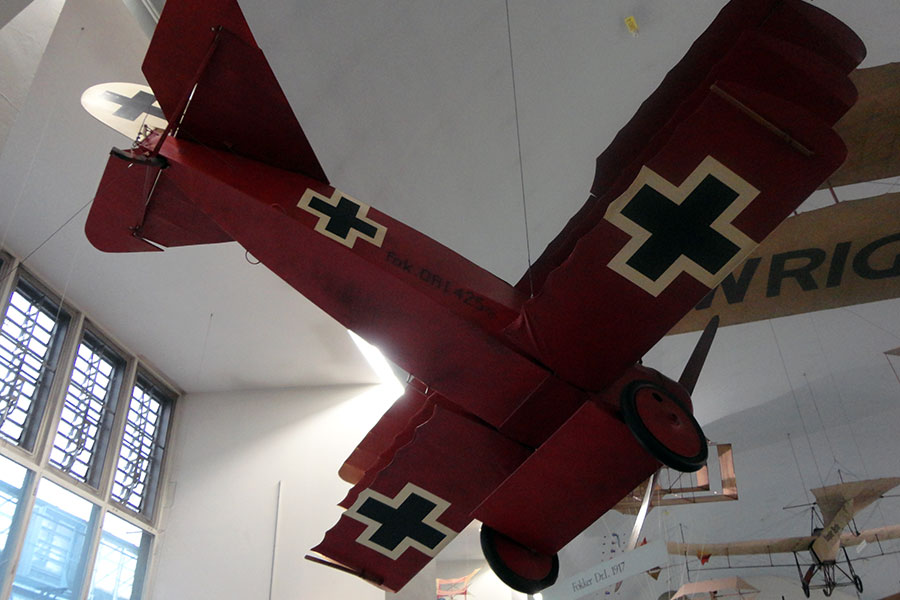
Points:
[(410, 108)]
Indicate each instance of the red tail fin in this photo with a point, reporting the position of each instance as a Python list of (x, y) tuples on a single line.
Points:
[(122, 220)]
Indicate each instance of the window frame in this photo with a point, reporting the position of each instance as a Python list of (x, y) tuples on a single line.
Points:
[(34, 434), (37, 460)]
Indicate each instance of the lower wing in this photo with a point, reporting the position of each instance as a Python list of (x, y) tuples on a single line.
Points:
[(414, 506)]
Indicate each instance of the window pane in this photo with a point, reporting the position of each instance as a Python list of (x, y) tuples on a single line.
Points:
[(142, 448), (29, 345), (54, 553), (13, 478), (121, 560), (86, 418)]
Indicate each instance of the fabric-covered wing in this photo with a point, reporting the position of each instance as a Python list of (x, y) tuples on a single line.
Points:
[(398, 519), (832, 498), (771, 546), (736, 137), (236, 104), (839, 504), (871, 129), (394, 427)]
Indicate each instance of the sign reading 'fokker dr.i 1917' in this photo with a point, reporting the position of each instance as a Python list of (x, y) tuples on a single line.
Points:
[(532, 391)]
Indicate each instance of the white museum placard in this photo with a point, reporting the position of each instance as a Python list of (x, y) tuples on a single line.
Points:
[(605, 574)]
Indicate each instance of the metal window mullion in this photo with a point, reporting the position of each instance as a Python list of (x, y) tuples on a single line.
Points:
[(117, 431), (16, 539), (57, 395), (145, 561), (91, 554), (163, 491)]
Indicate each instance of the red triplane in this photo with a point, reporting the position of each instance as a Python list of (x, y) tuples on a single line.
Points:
[(528, 409)]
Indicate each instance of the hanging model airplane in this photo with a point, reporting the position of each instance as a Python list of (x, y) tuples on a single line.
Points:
[(839, 505), (528, 410)]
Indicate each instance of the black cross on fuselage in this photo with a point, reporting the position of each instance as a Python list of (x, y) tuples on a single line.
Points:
[(405, 521), (681, 229), (342, 218), (134, 107)]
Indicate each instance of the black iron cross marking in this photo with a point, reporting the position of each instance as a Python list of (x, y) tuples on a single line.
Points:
[(408, 520), (342, 219), (134, 107), (681, 229), (402, 522)]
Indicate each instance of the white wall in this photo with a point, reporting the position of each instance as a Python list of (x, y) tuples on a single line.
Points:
[(230, 453)]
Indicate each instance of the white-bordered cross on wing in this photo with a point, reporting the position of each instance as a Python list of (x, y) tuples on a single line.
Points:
[(408, 520), (683, 229)]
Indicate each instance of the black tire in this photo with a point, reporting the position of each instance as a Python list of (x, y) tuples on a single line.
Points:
[(827, 590), (490, 539), (805, 587), (857, 583), (651, 443)]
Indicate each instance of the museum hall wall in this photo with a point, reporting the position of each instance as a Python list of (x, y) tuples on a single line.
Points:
[(232, 454)]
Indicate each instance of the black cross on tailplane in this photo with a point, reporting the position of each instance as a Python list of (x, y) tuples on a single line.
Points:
[(132, 108), (408, 520), (681, 229), (342, 218)]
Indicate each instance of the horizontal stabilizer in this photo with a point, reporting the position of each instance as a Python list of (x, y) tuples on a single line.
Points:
[(123, 220)]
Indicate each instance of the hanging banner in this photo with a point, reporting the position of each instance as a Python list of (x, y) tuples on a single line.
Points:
[(844, 254), (621, 567), (871, 129)]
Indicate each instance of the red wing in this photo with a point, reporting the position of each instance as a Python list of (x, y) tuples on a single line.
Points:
[(414, 506), (237, 104), (791, 49), (406, 413), (737, 136)]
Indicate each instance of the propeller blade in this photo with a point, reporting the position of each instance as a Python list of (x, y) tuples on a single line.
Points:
[(639, 520), (694, 365), (642, 514)]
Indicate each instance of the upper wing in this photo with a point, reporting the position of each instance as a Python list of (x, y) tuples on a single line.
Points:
[(203, 51), (736, 137), (400, 516), (872, 127)]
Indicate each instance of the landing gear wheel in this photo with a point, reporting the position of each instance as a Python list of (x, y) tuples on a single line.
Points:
[(805, 587), (664, 426), (518, 567), (827, 590), (857, 583)]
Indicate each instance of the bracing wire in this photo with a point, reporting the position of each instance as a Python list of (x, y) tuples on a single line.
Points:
[(840, 396), (796, 402), (512, 70), (799, 470), (812, 395)]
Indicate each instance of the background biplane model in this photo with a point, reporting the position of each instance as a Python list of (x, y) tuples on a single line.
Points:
[(838, 504), (528, 410)]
